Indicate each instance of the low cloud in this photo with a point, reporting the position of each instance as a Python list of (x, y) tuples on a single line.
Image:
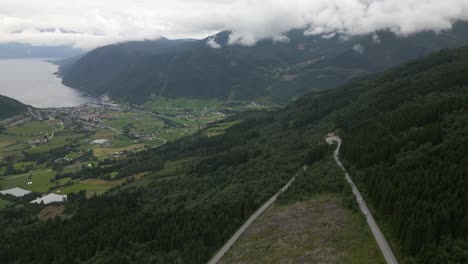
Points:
[(213, 44), (88, 23), (359, 49), (375, 38), (329, 35)]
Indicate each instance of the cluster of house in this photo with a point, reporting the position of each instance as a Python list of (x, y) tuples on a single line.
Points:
[(38, 141), (45, 199), (87, 113)]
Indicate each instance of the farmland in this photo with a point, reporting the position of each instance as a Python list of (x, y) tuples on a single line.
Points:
[(63, 149)]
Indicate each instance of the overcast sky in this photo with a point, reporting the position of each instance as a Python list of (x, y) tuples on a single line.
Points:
[(89, 23)]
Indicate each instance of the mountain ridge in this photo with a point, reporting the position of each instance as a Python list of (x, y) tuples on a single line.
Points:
[(136, 71)]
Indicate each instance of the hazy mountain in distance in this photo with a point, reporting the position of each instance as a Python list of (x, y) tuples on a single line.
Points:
[(22, 51), (210, 68)]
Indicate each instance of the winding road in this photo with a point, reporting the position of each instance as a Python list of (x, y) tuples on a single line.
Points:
[(221, 252), (379, 237)]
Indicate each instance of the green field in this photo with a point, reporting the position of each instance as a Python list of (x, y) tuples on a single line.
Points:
[(40, 181), (94, 186), (30, 129), (14, 139), (105, 152), (219, 129), (91, 186), (21, 165)]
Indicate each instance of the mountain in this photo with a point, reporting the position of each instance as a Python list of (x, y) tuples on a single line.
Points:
[(405, 137), (10, 107), (24, 51), (278, 70)]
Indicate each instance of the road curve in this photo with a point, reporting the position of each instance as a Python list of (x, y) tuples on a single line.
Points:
[(222, 251), (379, 237)]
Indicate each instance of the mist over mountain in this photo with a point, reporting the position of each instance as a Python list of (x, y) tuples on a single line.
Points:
[(22, 51), (279, 70), (89, 24)]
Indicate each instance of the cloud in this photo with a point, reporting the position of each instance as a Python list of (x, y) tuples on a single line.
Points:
[(329, 35), (359, 49), (213, 44), (90, 23), (376, 39)]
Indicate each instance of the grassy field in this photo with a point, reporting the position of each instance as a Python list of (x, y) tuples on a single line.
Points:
[(91, 186), (100, 152), (4, 142), (13, 140), (94, 186), (219, 129), (318, 230), (31, 129), (21, 165), (40, 181), (103, 134)]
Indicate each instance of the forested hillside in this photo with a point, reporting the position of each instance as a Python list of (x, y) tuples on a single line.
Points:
[(274, 69), (405, 135), (407, 141), (10, 107)]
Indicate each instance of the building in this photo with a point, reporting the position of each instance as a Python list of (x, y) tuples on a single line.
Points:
[(17, 192), (99, 141), (50, 198)]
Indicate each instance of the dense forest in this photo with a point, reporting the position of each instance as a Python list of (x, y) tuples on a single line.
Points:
[(405, 135), (278, 70), (10, 107), (407, 143)]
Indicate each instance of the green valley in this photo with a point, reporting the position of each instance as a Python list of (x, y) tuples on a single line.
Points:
[(404, 137), (49, 151)]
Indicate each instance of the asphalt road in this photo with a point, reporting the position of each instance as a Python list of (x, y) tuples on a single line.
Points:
[(379, 237), (222, 251)]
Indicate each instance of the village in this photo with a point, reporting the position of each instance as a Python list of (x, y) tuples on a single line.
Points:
[(41, 145)]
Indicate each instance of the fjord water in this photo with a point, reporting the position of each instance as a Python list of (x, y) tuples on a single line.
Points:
[(32, 82)]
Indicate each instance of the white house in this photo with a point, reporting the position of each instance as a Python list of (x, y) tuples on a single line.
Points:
[(99, 141), (50, 198), (18, 192)]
